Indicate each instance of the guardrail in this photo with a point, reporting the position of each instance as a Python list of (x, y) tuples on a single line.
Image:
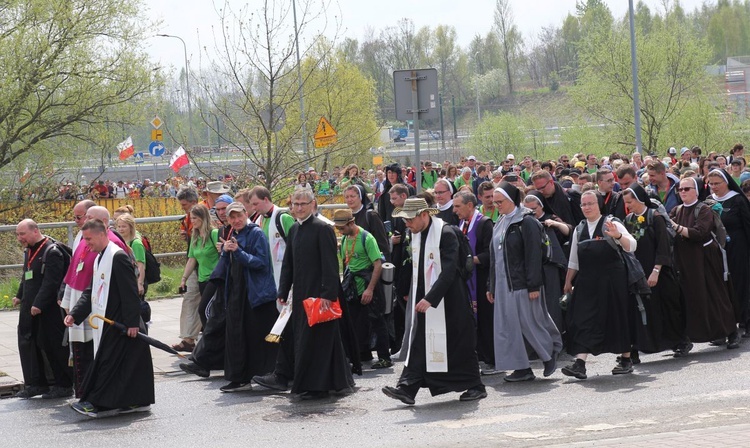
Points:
[(72, 230)]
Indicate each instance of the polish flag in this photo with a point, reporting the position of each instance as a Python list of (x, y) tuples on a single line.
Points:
[(126, 148), (178, 160)]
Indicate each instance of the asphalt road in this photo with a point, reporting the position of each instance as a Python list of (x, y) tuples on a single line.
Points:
[(709, 388)]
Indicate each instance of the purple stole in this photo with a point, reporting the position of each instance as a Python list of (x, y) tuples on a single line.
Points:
[(472, 281)]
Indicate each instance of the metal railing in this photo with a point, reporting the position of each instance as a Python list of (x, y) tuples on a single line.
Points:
[(72, 230)]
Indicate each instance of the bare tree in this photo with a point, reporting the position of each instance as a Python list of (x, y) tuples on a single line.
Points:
[(510, 39)]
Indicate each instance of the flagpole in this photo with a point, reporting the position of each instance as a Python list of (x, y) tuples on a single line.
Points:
[(187, 86)]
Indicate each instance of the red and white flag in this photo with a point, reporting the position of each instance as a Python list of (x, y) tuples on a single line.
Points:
[(126, 148), (178, 160), (26, 175)]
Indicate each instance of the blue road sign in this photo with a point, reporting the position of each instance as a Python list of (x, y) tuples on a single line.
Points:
[(156, 148), (138, 157)]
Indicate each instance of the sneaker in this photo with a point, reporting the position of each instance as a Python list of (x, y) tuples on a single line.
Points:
[(135, 408), (32, 391), (682, 350), (577, 369), (733, 340), (520, 375), (272, 381), (488, 369), (85, 408), (473, 394), (58, 392), (382, 364), (398, 394), (195, 369), (236, 387), (550, 366), (623, 367)]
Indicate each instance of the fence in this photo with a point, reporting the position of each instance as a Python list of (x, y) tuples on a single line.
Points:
[(326, 209)]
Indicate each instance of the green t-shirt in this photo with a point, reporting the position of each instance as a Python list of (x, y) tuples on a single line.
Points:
[(429, 179), (493, 216), (139, 251), (286, 223), (205, 254), (460, 182), (362, 258)]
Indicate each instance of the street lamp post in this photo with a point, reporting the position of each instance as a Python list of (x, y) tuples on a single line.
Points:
[(187, 86), (634, 70), (299, 80)]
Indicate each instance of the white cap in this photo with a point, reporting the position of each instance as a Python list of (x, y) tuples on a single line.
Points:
[(510, 157)]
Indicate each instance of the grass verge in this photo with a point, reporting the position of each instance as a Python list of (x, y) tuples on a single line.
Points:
[(167, 287)]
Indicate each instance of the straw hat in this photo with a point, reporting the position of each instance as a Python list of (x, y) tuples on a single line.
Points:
[(413, 207), (342, 217)]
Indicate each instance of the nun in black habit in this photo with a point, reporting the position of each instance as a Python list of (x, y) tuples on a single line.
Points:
[(664, 326)]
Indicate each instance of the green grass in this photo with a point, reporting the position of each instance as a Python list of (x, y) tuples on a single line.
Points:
[(167, 287)]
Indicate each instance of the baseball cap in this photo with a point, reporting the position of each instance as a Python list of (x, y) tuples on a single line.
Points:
[(684, 150), (672, 150), (510, 157), (235, 207), (472, 158)]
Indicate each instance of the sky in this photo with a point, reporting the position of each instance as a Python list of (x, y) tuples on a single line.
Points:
[(195, 20)]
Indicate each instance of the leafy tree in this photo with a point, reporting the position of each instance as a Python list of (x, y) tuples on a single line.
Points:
[(499, 134), (70, 67), (510, 40), (671, 76)]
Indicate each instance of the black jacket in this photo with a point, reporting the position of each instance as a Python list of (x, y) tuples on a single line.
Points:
[(523, 254)]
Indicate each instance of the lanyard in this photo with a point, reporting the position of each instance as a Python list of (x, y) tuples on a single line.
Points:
[(28, 265), (350, 253)]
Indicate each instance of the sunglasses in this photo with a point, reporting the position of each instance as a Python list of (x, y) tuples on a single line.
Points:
[(685, 189)]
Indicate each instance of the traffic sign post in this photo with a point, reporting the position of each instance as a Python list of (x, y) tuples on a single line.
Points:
[(138, 157), (325, 134), (156, 122), (416, 98), (157, 134)]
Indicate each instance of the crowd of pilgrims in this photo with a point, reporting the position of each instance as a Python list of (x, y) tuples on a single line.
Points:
[(552, 274), (482, 277)]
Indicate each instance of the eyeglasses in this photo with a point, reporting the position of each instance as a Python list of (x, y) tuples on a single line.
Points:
[(713, 184), (498, 203), (589, 204), (441, 192), (685, 189), (545, 185), (301, 204), (78, 217)]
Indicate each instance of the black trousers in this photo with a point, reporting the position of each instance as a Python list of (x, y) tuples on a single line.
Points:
[(368, 321), (83, 356), (36, 356)]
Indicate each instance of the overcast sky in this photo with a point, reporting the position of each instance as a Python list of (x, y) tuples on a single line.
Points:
[(193, 19)]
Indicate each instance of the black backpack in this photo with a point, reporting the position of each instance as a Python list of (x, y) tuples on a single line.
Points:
[(153, 267), (465, 264), (544, 244), (67, 254)]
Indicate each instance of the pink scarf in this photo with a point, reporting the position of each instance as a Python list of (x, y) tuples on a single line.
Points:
[(81, 279)]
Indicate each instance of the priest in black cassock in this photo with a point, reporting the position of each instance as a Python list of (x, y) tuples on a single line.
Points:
[(442, 353), (311, 358), (121, 378)]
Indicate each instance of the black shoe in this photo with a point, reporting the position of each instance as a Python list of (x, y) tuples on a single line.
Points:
[(32, 391), (135, 408), (475, 393), (520, 375), (635, 358), (236, 387), (718, 342), (195, 369), (58, 392), (399, 394), (550, 366), (382, 364), (312, 395), (682, 350), (577, 370), (624, 366), (272, 381), (734, 340)]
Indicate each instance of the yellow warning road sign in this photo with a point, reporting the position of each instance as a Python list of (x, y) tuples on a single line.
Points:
[(324, 129), (325, 134)]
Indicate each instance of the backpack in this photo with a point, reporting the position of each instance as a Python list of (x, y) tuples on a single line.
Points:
[(544, 244), (650, 213), (279, 227), (720, 232), (67, 254), (465, 264), (153, 267)]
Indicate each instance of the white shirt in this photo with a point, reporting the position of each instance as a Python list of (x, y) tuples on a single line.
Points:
[(573, 262)]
